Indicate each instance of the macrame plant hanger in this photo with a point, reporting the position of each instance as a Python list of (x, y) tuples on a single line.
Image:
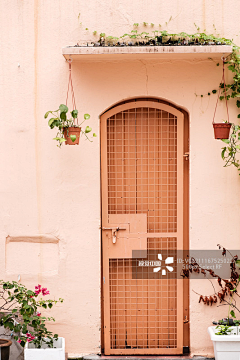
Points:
[(221, 130), (70, 88), (72, 133)]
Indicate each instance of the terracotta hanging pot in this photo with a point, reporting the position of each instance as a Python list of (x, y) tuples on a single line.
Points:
[(221, 130), (71, 133), (5, 349)]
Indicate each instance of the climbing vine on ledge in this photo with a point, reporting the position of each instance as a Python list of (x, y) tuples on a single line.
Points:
[(164, 38)]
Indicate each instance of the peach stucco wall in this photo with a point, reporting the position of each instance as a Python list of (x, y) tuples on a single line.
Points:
[(45, 190)]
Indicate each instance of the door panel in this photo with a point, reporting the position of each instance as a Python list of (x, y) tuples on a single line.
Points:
[(142, 209)]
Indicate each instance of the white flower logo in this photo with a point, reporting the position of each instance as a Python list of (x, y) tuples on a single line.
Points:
[(168, 260)]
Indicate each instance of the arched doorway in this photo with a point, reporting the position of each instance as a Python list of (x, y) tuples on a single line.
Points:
[(144, 176)]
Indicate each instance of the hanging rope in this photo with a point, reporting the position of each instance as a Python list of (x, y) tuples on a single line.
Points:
[(70, 87), (225, 93)]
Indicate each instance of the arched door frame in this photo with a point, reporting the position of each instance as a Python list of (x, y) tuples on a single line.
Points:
[(172, 109)]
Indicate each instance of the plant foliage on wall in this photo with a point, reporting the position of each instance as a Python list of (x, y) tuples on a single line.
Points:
[(159, 37)]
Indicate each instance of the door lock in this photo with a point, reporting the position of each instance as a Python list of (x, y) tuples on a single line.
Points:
[(114, 232)]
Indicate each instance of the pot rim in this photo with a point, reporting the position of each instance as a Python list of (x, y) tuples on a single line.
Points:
[(72, 127), (222, 124), (8, 343)]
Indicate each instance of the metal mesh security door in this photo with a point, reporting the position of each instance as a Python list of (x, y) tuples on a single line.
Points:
[(142, 209)]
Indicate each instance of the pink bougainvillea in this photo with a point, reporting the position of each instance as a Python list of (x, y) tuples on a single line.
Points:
[(45, 291), (30, 337), (39, 290)]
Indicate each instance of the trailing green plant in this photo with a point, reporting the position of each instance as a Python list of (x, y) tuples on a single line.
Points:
[(232, 148), (61, 120), (161, 37), (19, 313), (223, 330), (228, 288)]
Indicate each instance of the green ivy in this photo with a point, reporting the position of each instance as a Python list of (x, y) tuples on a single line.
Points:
[(232, 62)]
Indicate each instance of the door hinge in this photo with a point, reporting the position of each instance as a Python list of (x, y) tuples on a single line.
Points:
[(186, 156)]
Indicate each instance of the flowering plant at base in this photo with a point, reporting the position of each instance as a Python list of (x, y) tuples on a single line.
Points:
[(19, 313)]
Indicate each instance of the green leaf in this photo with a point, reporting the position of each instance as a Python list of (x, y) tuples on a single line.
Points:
[(223, 152), (214, 91), (63, 108), (74, 114), (238, 103), (88, 129), (94, 135), (51, 121), (63, 116), (238, 116), (86, 116), (50, 305), (238, 265), (233, 314), (226, 141), (55, 123), (46, 115), (30, 292), (231, 68), (73, 138), (62, 140)]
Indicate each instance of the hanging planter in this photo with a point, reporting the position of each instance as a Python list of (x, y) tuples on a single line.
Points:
[(72, 135), (69, 130), (222, 130)]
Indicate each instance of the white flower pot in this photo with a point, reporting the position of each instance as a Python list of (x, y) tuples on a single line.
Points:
[(45, 353), (226, 347)]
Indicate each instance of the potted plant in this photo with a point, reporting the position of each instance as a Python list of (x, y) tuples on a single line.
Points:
[(68, 131), (221, 130), (19, 313), (226, 335), (226, 341)]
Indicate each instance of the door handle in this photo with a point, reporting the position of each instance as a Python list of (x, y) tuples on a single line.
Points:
[(114, 232)]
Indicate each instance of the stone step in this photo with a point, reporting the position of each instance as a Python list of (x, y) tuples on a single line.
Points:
[(104, 357)]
